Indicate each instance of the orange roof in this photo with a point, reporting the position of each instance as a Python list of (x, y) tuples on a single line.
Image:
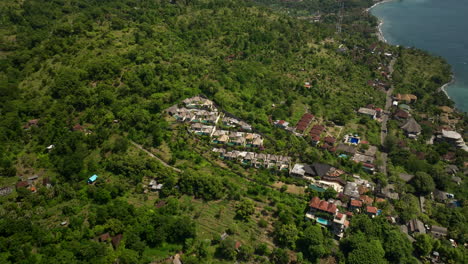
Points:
[(372, 209), (380, 200), (366, 199), (356, 203), (321, 205)]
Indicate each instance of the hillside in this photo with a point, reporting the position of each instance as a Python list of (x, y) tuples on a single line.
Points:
[(88, 88)]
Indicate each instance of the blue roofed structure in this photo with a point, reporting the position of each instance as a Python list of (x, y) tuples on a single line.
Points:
[(92, 179)]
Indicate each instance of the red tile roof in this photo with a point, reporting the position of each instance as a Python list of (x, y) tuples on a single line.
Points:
[(380, 200), (366, 199), (315, 132), (22, 184), (315, 137), (319, 127), (356, 203), (330, 140), (321, 205), (372, 209), (326, 146), (339, 215)]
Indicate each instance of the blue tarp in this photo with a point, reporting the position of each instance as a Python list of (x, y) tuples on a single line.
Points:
[(92, 178)]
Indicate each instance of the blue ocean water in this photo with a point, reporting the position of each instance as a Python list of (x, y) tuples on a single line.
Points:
[(437, 26)]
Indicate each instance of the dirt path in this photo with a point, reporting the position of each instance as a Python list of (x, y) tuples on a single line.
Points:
[(155, 157)]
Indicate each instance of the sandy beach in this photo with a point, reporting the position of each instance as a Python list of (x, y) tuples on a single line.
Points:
[(443, 88)]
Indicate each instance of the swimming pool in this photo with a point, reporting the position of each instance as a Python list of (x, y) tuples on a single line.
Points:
[(353, 140), (316, 188), (322, 221)]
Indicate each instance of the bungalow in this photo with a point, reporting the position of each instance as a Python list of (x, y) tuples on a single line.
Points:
[(154, 186), (412, 128), (440, 196), (330, 140), (208, 130), (172, 110), (315, 132), (229, 121), (92, 179), (197, 127), (366, 199), (320, 169), (388, 192), (281, 124), (416, 226), (371, 211), (257, 142), (339, 224), (315, 139), (348, 149), (298, 170), (261, 159), (351, 190), (368, 112), (249, 158), (246, 127), (237, 141), (451, 169), (408, 98), (439, 231), (199, 102), (285, 163), (211, 118), (319, 128), (355, 205), (454, 138), (401, 114), (317, 205), (361, 158), (224, 139), (230, 155)]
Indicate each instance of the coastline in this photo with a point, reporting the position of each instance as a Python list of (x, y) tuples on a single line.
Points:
[(381, 37), (378, 3), (380, 34), (443, 88)]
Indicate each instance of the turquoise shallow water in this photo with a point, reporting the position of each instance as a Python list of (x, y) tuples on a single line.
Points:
[(437, 26)]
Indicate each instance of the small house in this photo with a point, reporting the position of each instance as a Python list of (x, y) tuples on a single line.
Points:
[(412, 128), (371, 211), (368, 112), (355, 204), (439, 231), (416, 226), (22, 184)]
